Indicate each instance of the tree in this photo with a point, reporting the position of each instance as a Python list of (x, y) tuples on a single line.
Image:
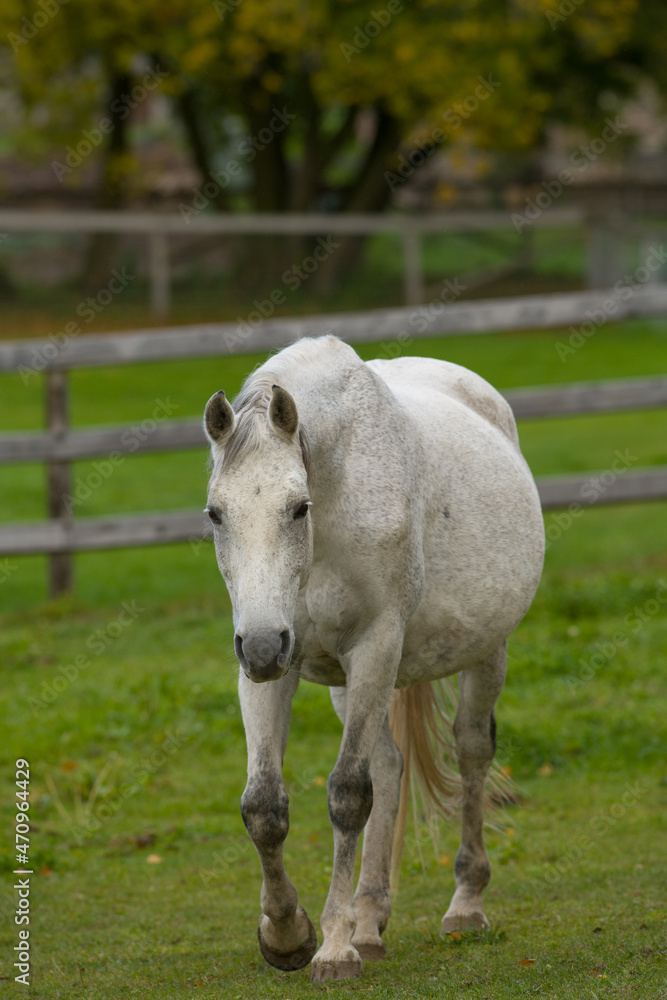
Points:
[(288, 105), (366, 85)]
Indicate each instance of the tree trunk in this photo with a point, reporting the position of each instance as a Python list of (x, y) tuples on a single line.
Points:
[(189, 110), (369, 193), (260, 262), (102, 247)]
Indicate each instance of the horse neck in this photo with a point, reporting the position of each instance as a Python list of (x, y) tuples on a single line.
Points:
[(339, 401)]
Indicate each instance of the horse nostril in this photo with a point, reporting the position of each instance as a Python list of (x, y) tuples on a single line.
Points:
[(285, 642), (238, 648)]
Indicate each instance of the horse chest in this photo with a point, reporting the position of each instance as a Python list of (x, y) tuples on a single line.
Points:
[(327, 607)]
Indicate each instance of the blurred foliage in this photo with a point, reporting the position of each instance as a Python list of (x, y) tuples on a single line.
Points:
[(362, 84)]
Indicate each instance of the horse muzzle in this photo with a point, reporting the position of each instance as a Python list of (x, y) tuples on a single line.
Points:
[(264, 654)]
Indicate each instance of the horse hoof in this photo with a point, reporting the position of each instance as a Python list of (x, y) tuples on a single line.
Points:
[(349, 967), (458, 923), (371, 951), (290, 961)]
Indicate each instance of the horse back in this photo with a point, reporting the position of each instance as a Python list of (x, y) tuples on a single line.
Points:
[(453, 381)]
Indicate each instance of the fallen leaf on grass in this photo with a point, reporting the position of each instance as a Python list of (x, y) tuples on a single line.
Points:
[(154, 859), (527, 961)]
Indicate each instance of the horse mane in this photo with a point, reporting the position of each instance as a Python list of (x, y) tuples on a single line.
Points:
[(252, 402), (251, 427)]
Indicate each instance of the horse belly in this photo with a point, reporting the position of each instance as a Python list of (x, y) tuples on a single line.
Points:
[(483, 546)]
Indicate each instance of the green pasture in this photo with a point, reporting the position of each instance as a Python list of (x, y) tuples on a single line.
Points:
[(144, 882)]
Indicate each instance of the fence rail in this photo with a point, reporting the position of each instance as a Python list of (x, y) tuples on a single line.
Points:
[(92, 533), (285, 224), (62, 535), (98, 533), (606, 235), (174, 435), (528, 312)]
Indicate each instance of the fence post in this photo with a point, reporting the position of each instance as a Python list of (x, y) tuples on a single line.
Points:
[(58, 480), (525, 255), (412, 266), (650, 249), (606, 251), (158, 266)]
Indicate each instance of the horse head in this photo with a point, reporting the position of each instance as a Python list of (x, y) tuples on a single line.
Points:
[(259, 505)]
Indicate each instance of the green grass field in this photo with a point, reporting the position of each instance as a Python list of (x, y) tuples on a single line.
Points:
[(145, 884)]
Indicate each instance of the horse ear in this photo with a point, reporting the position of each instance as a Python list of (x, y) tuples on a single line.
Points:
[(219, 419), (283, 415)]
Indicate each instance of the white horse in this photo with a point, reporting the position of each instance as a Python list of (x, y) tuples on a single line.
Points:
[(377, 527)]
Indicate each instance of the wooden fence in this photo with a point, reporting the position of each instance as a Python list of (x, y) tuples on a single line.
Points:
[(59, 445), (606, 236)]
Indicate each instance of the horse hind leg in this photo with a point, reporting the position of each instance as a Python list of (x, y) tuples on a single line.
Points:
[(474, 729), (372, 899)]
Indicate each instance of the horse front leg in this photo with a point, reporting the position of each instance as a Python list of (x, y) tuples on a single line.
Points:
[(371, 674), (287, 938), (372, 899)]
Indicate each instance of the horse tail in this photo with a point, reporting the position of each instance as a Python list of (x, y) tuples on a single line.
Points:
[(421, 719)]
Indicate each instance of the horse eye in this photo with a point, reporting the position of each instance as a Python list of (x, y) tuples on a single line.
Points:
[(212, 514), (301, 511)]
